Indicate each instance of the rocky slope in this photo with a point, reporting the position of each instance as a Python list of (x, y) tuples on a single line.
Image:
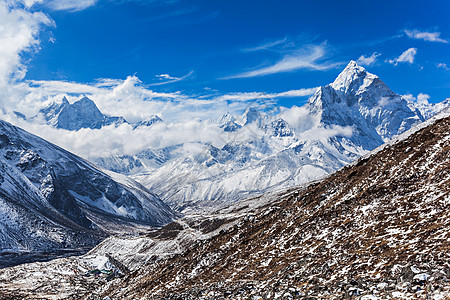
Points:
[(51, 199), (376, 229), (379, 226)]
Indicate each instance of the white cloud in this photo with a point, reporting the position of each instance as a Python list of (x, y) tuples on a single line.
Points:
[(443, 66), (423, 98), (265, 46), (420, 99), (299, 118), (307, 58), (19, 29), (171, 79), (321, 133), (30, 3), (425, 35), (70, 5), (260, 95), (407, 56), (135, 101), (367, 61), (166, 76), (308, 128), (123, 139)]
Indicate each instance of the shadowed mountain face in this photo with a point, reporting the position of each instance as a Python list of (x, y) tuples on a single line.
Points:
[(80, 114), (52, 199), (380, 225)]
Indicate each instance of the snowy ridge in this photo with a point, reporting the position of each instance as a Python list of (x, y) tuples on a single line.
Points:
[(84, 113), (442, 114), (80, 114), (377, 229), (341, 121), (51, 199)]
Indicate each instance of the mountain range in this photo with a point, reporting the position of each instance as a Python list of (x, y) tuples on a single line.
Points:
[(262, 152), (51, 199), (377, 228), (47, 189), (84, 113)]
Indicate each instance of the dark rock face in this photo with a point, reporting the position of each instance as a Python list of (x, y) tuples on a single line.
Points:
[(380, 224)]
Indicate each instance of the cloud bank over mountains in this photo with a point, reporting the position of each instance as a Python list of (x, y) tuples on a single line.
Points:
[(187, 116)]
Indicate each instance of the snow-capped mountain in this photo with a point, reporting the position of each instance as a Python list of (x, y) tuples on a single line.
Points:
[(428, 109), (341, 121), (251, 115), (360, 99), (80, 114), (148, 122), (228, 122), (52, 199), (279, 128), (376, 229)]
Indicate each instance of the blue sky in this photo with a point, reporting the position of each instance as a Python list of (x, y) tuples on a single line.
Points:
[(192, 61), (200, 47)]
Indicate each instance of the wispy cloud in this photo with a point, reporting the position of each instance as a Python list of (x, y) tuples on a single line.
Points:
[(443, 66), (148, 2), (265, 46), (78, 5), (70, 5), (170, 79), (369, 60), (405, 57), (175, 13), (425, 35), (166, 76), (260, 95), (308, 58)]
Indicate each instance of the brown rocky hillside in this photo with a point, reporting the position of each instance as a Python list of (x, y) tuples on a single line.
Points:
[(377, 228)]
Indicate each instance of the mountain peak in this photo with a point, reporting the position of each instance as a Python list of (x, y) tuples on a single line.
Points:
[(228, 122), (226, 117), (353, 75), (148, 121), (83, 113), (86, 102), (250, 115), (362, 100)]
